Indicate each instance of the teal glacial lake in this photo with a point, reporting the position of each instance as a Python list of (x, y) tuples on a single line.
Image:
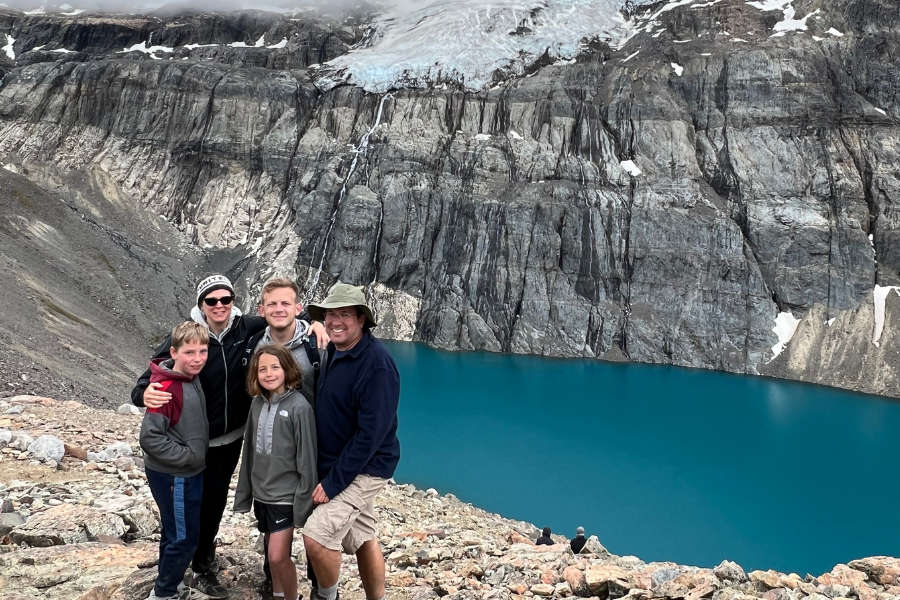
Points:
[(659, 462)]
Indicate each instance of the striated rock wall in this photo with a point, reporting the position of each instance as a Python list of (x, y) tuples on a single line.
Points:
[(614, 205)]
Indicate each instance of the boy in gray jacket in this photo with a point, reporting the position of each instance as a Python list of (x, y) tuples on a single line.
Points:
[(174, 438), (278, 465)]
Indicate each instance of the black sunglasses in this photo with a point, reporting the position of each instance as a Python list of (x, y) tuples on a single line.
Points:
[(225, 300)]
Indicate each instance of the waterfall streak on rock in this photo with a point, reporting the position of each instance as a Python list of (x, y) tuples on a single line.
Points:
[(361, 149)]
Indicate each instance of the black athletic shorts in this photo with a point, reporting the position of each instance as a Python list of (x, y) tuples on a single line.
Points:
[(273, 517)]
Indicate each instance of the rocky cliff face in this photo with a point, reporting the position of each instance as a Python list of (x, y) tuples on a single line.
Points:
[(659, 201)]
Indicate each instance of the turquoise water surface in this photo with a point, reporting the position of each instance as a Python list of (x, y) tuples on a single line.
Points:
[(664, 463)]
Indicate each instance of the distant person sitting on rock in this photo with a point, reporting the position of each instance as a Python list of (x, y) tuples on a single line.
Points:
[(278, 465), (224, 382), (579, 541), (174, 438), (545, 540)]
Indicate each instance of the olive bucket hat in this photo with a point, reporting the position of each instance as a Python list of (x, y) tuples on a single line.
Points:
[(339, 296)]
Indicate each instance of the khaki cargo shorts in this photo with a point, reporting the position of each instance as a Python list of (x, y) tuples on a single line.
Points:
[(348, 520)]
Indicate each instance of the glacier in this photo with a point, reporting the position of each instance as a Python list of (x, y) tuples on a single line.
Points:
[(471, 43)]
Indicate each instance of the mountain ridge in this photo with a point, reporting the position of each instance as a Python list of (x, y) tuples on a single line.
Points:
[(660, 202)]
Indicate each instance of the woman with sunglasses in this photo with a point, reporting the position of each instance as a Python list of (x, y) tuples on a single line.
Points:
[(223, 379)]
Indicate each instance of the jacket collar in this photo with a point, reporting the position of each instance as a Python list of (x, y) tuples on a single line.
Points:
[(299, 338), (277, 398), (356, 350), (198, 317)]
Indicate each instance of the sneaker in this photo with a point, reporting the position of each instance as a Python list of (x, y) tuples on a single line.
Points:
[(208, 583), (184, 592), (153, 596)]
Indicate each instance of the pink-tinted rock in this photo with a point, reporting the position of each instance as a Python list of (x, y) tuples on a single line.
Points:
[(606, 581), (575, 578), (880, 569), (400, 579), (765, 580)]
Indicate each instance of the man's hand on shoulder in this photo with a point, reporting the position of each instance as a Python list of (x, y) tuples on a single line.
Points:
[(153, 398), (322, 338), (319, 496)]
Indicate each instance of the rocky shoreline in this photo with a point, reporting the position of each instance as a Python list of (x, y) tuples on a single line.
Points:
[(77, 521)]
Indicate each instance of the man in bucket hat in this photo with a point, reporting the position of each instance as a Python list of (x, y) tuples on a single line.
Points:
[(356, 425)]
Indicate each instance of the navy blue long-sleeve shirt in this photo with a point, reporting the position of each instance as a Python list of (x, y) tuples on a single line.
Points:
[(356, 415)]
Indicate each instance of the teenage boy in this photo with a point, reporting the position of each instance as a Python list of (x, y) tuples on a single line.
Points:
[(227, 405), (280, 306), (174, 438)]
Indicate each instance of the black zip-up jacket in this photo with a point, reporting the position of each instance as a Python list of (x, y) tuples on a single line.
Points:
[(223, 378)]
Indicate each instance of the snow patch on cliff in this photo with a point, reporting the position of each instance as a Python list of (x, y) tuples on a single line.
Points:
[(880, 296), (789, 23), (8, 48), (472, 43), (151, 50), (630, 168), (785, 326)]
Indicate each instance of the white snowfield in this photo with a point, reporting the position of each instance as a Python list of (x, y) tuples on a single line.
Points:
[(630, 168), (466, 41), (881, 294), (8, 48), (785, 326)]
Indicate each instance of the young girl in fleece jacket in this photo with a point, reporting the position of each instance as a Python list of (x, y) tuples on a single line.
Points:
[(278, 464)]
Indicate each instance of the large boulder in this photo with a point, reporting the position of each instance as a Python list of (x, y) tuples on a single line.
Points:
[(90, 571), (141, 516), (20, 441), (880, 569), (9, 521), (577, 583), (67, 524), (593, 546), (730, 571), (608, 581), (47, 448)]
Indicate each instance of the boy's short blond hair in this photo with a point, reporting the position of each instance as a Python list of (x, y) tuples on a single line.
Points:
[(279, 282), (189, 331)]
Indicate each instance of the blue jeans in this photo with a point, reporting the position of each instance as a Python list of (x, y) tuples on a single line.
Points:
[(178, 499)]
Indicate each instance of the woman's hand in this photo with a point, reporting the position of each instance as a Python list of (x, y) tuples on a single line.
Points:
[(153, 398)]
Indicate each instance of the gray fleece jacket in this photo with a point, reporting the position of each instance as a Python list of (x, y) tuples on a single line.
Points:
[(175, 436), (278, 464), (296, 346)]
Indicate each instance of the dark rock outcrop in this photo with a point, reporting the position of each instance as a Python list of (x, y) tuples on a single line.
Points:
[(660, 206)]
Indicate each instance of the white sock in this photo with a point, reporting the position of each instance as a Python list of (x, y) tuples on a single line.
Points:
[(278, 594), (328, 593)]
